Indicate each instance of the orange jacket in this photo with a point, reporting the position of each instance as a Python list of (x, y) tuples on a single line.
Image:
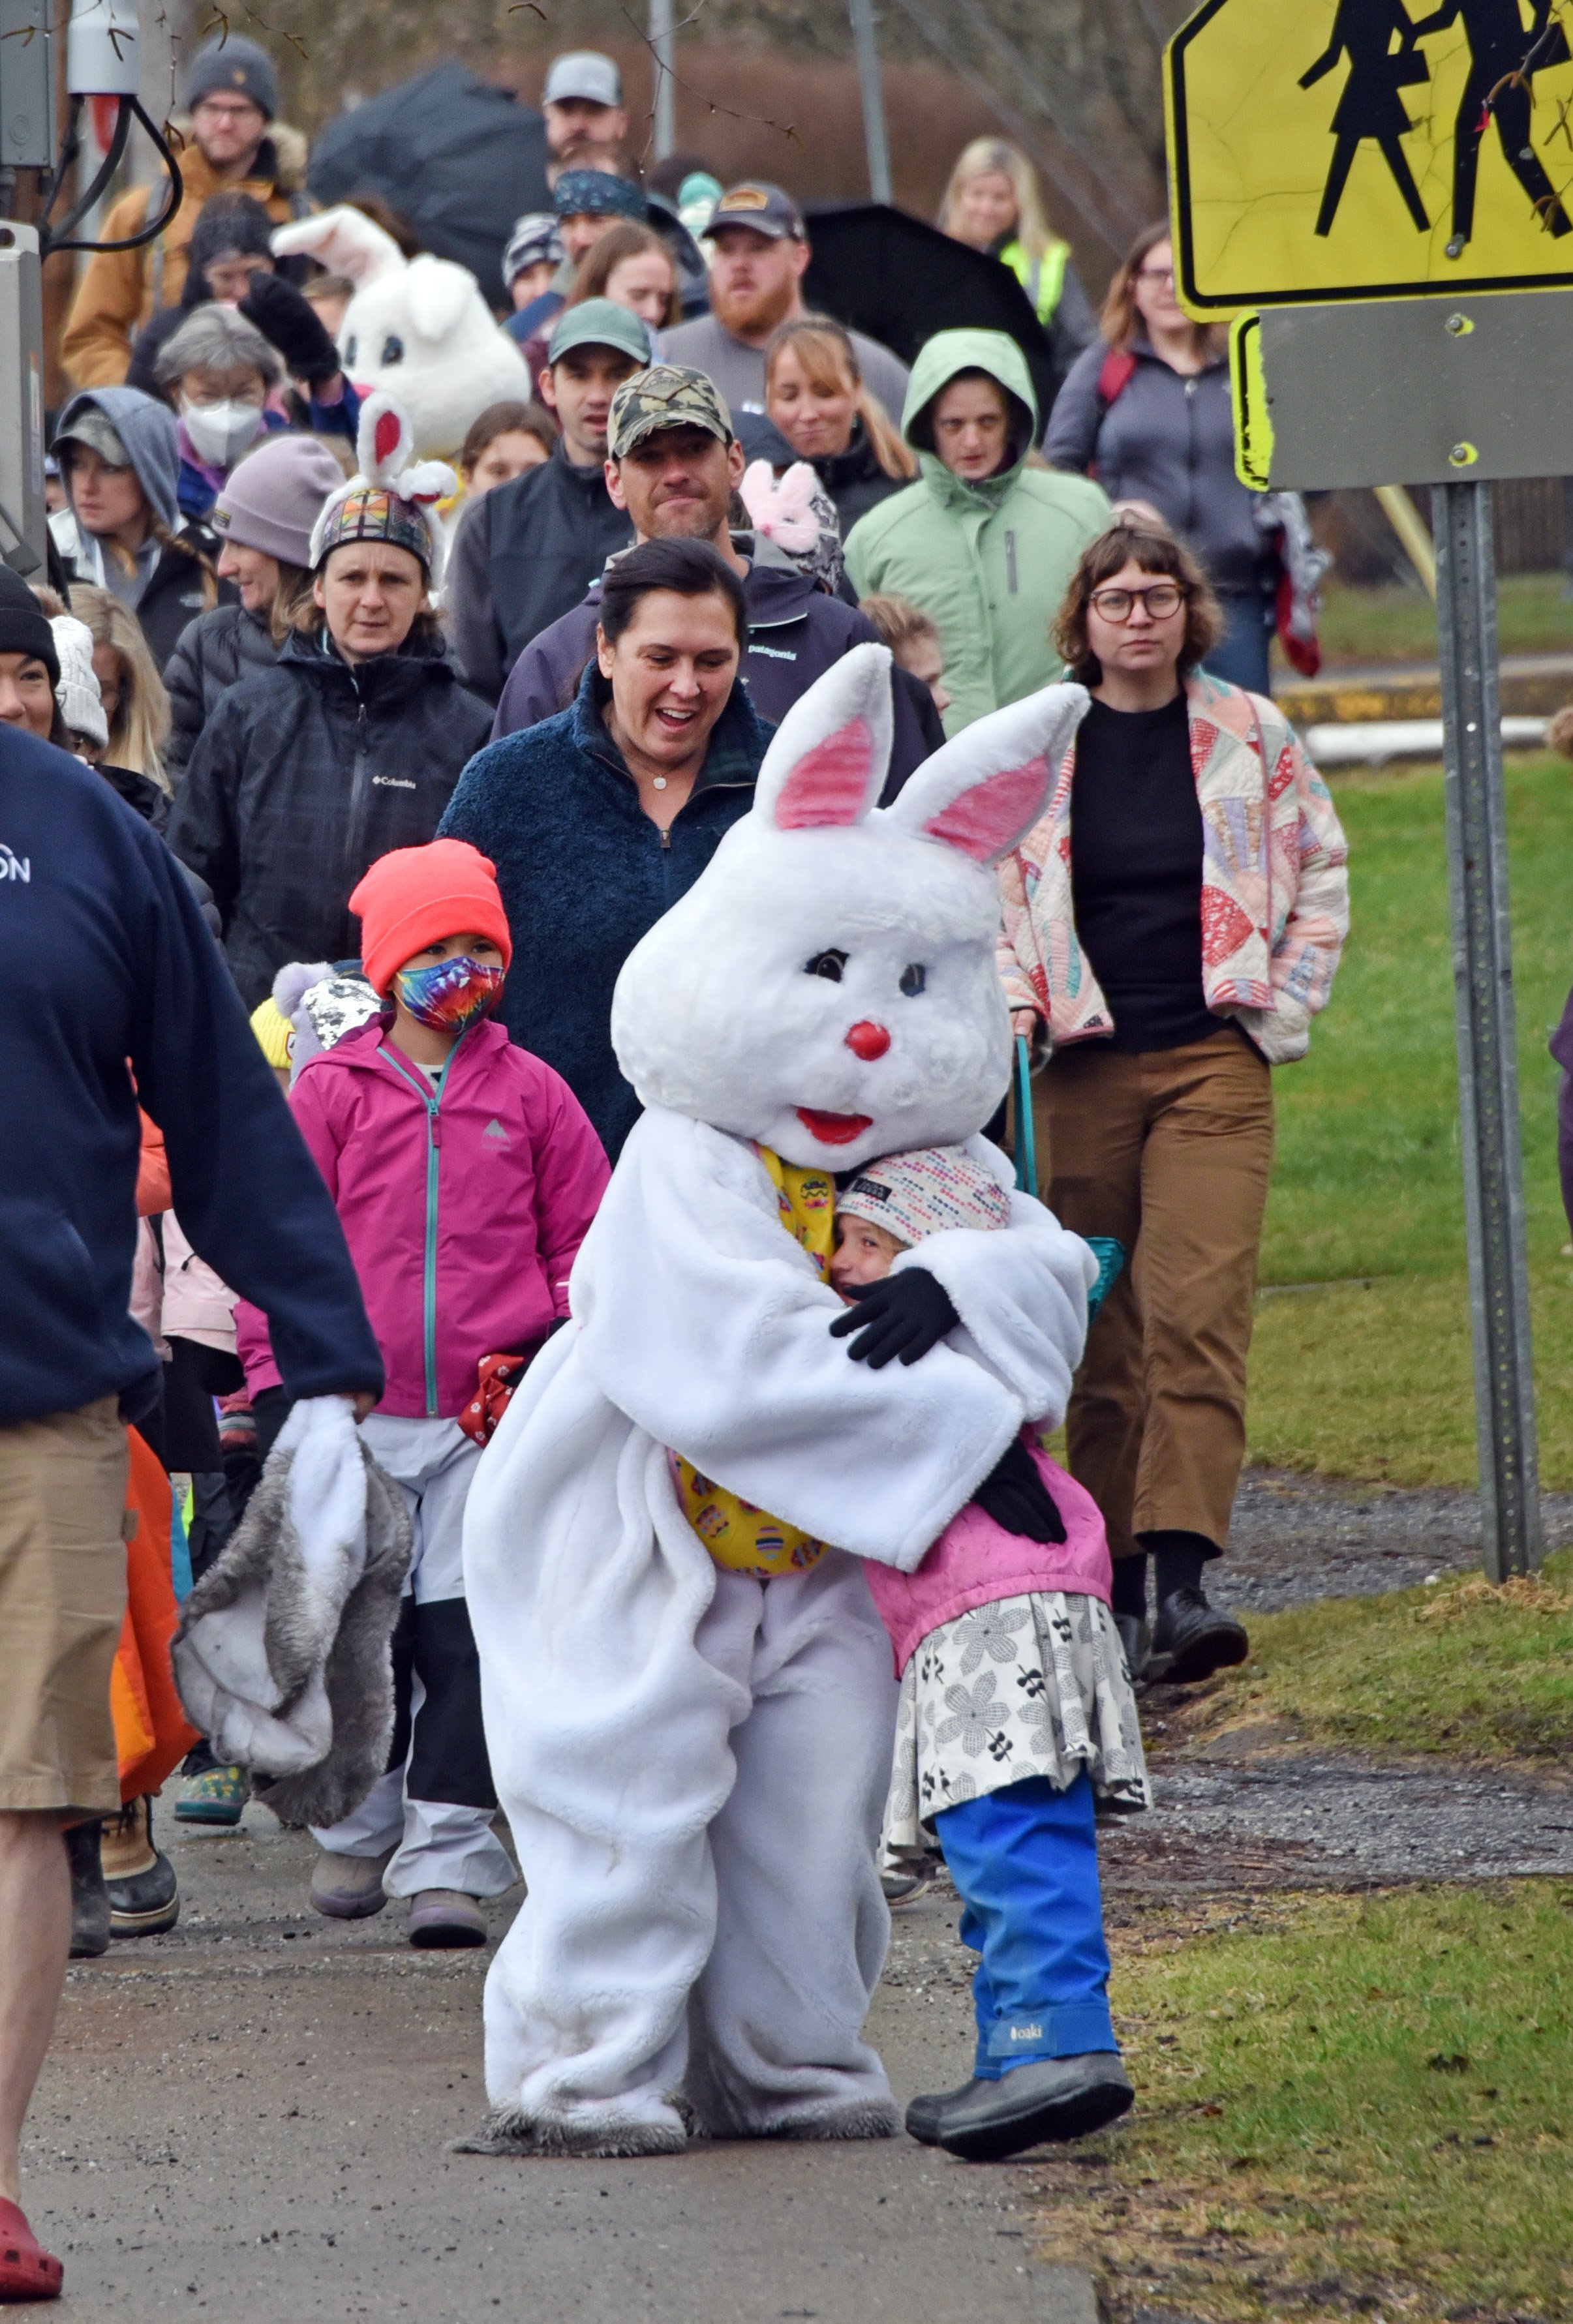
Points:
[(152, 1733), (120, 289)]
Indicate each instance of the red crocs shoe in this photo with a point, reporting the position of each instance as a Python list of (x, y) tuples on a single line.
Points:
[(27, 2271)]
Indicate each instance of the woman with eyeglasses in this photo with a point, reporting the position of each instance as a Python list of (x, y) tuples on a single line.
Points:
[(1146, 410), (1171, 927)]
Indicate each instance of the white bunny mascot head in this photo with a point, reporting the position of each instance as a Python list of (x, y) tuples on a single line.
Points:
[(419, 326), (827, 986)]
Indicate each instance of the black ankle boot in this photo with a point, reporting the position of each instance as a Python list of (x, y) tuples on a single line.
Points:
[(1193, 1639)]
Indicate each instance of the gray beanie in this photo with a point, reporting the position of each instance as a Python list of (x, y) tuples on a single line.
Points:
[(274, 497), (237, 66)]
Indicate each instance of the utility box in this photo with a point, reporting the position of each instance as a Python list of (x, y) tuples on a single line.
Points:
[(21, 508), (27, 86)]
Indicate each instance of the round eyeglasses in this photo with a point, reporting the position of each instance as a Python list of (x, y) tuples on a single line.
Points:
[(1163, 598)]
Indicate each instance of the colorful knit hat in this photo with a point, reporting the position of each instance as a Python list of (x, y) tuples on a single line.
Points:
[(388, 499), (414, 896), (911, 1195)]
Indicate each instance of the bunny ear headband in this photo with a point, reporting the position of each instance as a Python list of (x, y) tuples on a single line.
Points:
[(795, 511), (389, 499)]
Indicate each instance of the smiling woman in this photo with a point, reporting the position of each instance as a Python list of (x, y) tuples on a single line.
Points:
[(597, 820)]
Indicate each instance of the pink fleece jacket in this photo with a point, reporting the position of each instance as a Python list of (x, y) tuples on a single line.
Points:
[(469, 1260), (975, 1563)]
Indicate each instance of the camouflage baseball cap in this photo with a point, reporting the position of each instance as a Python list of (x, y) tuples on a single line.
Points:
[(667, 395)]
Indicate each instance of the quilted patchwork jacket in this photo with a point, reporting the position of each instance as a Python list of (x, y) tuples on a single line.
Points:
[(1274, 898)]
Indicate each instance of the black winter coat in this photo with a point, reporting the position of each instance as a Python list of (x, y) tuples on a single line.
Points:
[(524, 555), (855, 480), (215, 653), (304, 776)]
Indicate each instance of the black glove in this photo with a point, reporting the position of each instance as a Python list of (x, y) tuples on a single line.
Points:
[(293, 325), (905, 1315), (1015, 1496)]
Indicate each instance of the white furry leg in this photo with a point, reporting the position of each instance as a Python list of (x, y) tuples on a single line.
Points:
[(777, 2016)]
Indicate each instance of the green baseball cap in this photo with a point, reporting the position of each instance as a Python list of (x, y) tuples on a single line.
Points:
[(601, 323), (667, 395)]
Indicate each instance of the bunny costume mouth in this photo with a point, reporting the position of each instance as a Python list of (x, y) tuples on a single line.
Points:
[(834, 1129)]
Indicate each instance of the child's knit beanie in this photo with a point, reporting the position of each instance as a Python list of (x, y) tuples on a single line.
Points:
[(416, 896), (911, 1195)]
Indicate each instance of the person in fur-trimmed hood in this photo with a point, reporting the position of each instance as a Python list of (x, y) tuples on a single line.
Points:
[(694, 1758)]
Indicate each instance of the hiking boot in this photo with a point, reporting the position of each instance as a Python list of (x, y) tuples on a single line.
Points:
[(144, 1896), (1193, 1639), (446, 1920), (218, 1795), (27, 2271), (349, 1887), (90, 1897), (1136, 1639), (1049, 2098)]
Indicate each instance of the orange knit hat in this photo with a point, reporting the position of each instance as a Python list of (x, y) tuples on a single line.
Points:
[(415, 895)]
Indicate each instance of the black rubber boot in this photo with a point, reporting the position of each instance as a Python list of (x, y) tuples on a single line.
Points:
[(1051, 2098), (924, 2114), (90, 1897)]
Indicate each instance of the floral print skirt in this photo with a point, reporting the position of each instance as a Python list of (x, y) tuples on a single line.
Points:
[(1028, 1686)]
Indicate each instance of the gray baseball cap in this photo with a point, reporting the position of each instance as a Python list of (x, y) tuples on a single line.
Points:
[(586, 74), (601, 323)]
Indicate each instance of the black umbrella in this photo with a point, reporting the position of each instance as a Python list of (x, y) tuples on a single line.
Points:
[(899, 280), (458, 157)]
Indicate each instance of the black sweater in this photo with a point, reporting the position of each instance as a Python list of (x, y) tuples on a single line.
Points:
[(105, 960), (1135, 872)]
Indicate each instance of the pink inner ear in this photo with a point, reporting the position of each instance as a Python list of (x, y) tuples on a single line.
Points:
[(829, 783), (385, 436), (983, 820)]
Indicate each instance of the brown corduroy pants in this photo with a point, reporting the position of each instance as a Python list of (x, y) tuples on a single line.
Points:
[(1170, 1152)]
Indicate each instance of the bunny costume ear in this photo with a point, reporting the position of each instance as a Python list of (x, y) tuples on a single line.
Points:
[(781, 509), (828, 759), (384, 443), (991, 784), (344, 240)]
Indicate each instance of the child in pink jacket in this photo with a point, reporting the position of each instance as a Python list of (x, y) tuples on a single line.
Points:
[(1015, 1711), (466, 1173)]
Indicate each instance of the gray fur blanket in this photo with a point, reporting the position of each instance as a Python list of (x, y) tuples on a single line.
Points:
[(282, 1658)]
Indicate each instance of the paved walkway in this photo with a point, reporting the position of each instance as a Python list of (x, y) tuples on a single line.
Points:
[(248, 2119)]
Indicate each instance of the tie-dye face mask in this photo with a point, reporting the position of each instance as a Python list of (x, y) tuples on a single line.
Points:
[(451, 994)]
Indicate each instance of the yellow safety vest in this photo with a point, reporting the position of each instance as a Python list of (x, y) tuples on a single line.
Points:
[(1043, 279)]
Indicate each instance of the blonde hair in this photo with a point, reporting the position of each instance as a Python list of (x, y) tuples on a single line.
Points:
[(141, 726), (1120, 321), (829, 364), (987, 157)]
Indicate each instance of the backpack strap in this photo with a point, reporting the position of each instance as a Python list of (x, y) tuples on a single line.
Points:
[(1115, 372)]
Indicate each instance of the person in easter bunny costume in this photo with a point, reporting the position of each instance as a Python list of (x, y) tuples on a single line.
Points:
[(694, 1758)]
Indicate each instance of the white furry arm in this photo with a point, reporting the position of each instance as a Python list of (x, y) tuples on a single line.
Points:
[(1021, 1293), (700, 1317)]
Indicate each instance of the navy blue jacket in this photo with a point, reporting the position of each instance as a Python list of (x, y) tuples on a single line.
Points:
[(104, 959), (584, 872)]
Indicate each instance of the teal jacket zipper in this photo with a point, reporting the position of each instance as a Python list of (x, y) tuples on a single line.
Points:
[(432, 1102)]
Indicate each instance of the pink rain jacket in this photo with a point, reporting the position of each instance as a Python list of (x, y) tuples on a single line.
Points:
[(975, 1563), (463, 1210)]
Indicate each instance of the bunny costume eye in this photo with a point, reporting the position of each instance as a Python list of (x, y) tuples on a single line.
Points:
[(349, 353), (915, 977), (393, 348), (828, 965)]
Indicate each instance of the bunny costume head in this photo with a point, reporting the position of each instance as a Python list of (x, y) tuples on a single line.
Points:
[(416, 327), (827, 986)]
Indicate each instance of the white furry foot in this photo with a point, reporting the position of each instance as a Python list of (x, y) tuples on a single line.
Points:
[(507, 2131)]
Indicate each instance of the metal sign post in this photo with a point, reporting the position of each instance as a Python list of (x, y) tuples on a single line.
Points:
[(663, 124), (866, 43), (1488, 1115)]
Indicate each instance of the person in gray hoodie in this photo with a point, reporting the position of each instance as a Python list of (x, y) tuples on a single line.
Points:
[(121, 527)]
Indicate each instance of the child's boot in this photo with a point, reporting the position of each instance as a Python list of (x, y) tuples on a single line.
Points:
[(1044, 2098), (349, 1887)]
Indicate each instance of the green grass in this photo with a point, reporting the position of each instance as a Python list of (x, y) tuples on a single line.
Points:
[(1370, 1377), (1396, 624), (1460, 1668), (1345, 2106)]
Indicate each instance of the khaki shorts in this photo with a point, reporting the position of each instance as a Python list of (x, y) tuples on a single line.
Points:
[(62, 1600)]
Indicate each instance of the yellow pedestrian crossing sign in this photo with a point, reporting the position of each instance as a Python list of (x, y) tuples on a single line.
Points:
[(1327, 150)]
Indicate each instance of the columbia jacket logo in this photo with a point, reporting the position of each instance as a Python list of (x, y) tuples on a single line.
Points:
[(393, 782), (13, 866)]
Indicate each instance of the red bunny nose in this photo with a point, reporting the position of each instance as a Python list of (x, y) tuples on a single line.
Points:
[(868, 1041)]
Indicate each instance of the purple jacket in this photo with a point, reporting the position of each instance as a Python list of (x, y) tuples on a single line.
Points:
[(463, 1211), (975, 1563)]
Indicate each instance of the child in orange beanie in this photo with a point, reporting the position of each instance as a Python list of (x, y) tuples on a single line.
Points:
[(466, 1173)]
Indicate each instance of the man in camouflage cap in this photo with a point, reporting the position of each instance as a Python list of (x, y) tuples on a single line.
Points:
[(672, 465)]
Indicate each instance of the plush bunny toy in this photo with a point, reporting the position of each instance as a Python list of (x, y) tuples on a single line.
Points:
[(418, 326), (693, 1760)]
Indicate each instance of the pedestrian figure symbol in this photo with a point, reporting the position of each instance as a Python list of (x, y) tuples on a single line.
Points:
[(1371, 106), (1503, 57)]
